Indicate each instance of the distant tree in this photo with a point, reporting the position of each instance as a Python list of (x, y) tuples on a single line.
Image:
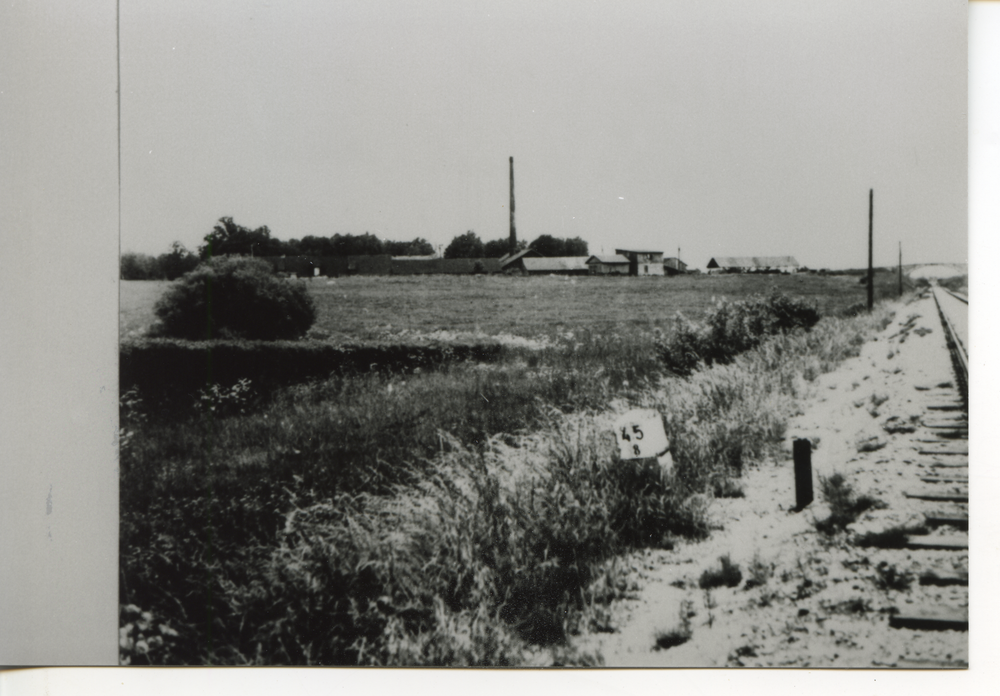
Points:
[(547, 245), (229, 238), (465, 246), (356, 245), (134, 266), (575, 247), (418, 247), (316, 246), (496, 248), (293, 247), (176, 262)]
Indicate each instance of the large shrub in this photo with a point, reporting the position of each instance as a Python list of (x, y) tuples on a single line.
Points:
[(235, 297), (733, 328)]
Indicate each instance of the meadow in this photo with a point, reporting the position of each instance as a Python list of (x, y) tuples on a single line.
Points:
[(466, 514), (366, 307)]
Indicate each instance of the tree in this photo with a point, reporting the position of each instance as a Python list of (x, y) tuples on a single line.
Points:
[(229, 238), (575, 247), (496, 248), (138, 267), (547, 245), (176, 262), (465, 246), (418, 247)]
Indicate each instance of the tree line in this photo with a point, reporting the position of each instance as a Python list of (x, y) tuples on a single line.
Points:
[(229, 238)]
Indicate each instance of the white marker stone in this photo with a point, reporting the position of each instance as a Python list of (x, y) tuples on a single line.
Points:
[(640, 434)]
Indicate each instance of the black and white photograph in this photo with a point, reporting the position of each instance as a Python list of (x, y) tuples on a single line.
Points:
[(542, 334), (534, 334)]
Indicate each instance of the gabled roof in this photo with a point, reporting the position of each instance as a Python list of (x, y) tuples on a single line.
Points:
[(637, 251), (752, 261), (556, 263), (607, 258), (511, 258)]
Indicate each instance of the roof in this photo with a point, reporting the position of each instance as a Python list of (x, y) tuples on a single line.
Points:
[(608, 258), (636, 251), (511, 258), (556, 263), (753, 261)]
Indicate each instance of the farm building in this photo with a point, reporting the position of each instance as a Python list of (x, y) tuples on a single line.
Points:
[(673, 266), (753, 264), (642, 262), (557, 265), (608, 264)]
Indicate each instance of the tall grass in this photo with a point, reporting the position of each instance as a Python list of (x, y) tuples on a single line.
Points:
[(461, 516)]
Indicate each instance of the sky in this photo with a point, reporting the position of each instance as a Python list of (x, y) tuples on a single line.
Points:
[(725, 128)]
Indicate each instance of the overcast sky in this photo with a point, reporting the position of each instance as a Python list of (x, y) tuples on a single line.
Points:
[(723, 128)]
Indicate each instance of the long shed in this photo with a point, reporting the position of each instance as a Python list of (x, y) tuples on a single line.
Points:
[(753, 264)]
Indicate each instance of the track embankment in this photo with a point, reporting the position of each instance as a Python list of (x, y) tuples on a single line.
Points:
[(885, 587)]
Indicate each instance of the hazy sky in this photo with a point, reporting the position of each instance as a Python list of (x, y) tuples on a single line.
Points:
[(722, 128)]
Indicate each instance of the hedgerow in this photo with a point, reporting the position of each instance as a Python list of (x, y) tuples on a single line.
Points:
[(732, 328)]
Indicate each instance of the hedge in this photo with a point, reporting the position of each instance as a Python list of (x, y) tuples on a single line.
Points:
[(166, 366)]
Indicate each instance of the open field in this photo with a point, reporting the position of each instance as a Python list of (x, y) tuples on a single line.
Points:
[(466, 514), (369, 307)]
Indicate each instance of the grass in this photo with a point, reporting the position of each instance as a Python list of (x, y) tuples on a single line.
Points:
[(366, 307), (727, 574), (460, 516), (845, 505)]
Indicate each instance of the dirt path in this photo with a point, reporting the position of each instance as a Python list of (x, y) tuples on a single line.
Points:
[(818, 603)]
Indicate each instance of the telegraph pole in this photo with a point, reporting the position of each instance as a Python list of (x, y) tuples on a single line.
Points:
[(900, 269), (513, 231), (871, 272)]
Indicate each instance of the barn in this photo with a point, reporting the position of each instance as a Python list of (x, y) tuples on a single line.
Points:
[(555, 265), (608, 264), (642, 262), (753, 264)]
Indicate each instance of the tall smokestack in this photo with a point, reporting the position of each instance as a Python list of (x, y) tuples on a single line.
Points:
[(513, 231)]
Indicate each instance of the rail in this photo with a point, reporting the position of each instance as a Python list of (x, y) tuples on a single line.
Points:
[(956, 338)]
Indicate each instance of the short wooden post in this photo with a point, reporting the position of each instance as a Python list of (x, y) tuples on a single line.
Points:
[(802, 454)]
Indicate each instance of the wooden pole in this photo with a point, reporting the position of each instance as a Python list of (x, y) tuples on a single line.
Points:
[(802, 454), (871, 272), (900, 269), (513, 231)]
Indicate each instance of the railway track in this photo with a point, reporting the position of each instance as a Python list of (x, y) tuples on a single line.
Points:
[(943, 451)]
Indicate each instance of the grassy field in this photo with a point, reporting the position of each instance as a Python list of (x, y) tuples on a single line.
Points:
[(368, 307), (468, 514)]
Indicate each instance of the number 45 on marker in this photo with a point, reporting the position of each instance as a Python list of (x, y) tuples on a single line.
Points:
[(640, 434)]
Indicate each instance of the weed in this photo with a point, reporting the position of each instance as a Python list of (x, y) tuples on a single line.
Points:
[(759, 573), (727, 488), (727, 574), (887, 577), (681, 633), (845, 506)]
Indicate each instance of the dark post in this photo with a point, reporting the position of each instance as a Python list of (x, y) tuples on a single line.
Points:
[(900, 269), (513, 231), (871, 272), (802, 454)]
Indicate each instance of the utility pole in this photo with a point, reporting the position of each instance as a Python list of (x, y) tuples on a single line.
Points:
[(513, 231), (900, 269), (871, 272)]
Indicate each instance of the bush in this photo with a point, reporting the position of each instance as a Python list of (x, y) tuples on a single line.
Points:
[(733, 328), (845, 505), (235, 297), (727, 574)]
